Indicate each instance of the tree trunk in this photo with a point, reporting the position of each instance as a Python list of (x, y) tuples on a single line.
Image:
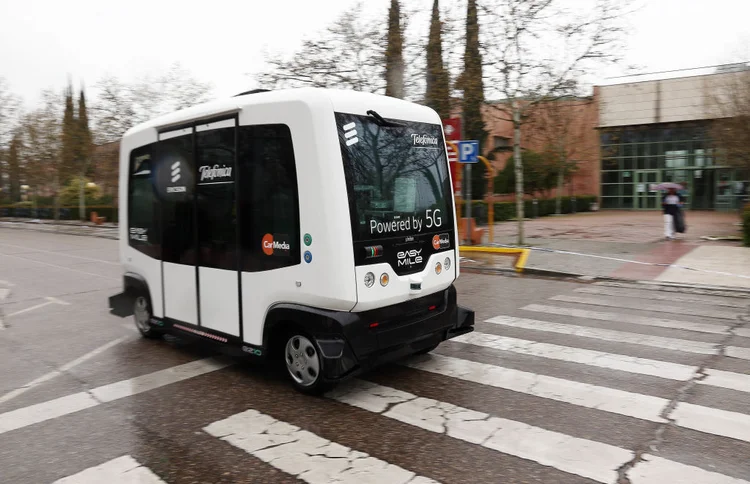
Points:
[(519, 172), (560, 181), (82, 201), (57, 196)]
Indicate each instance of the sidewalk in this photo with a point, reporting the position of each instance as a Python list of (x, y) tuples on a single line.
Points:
[(69, 227), (605, 242)]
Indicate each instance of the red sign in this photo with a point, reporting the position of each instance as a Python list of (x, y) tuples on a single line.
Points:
[(452, 129)]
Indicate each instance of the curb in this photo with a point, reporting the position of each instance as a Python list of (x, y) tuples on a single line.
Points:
[(80, 230)]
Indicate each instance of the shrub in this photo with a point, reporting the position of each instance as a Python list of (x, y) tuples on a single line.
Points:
[(507, 210), (746, 225)]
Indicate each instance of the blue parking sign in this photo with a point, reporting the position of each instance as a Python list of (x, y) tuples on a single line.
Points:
[(468, 151)]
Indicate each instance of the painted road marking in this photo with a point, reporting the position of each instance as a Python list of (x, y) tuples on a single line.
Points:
[(4, 293), (657, 470), (612, 361), (66, 367), (577, 456), (675, 344), (50, 300), (629, 318), (651, 294), (123, 470), (51, 409), (645, 407), (58, 267), (62, 254), (601, 359), (641, 306), (304, 454)]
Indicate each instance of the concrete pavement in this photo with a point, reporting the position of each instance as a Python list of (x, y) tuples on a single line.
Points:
[(565, 382)]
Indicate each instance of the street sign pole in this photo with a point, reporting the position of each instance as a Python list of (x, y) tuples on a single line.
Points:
[(468, 154)]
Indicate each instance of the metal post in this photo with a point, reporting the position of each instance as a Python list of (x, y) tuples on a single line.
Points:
[(573, 204), (535, 205), (468, 201)]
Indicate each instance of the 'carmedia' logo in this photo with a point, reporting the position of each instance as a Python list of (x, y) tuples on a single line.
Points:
[(270, 245)]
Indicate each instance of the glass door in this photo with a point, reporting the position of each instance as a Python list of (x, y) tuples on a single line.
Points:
[(646, 198)]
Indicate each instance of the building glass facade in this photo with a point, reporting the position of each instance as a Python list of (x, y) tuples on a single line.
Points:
[(636, 157)]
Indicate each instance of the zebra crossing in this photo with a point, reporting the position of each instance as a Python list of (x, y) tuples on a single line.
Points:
[(599, 352)]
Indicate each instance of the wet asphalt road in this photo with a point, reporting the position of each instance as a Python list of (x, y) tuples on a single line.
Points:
[(562, 382)]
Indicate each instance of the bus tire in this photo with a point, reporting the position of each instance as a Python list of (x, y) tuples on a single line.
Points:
[(303, 362), (142, 315)]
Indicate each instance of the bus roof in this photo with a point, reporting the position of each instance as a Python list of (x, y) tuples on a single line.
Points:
[(353, 102)]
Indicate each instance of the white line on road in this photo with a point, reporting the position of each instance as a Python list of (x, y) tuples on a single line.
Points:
[(612, 361), (641, 306), (66, 367), (586, 395), (577, 456), (57, 266), (645, 407), (4, 291), (652, 295), (629, 318), (123, 470), (304, 454), (23, 417), (62, 254), (50, 300), (657, 470), (675, 344)]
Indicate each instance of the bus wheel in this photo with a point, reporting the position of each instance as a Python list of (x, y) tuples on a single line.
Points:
[(303, 363), (142, 315)]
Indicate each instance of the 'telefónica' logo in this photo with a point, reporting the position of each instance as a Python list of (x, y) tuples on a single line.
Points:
[(423, 140), (275, 246)]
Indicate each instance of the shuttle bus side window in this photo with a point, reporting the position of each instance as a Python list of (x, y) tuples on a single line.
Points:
[(175, 168), (217, 222), (269, 200), (144, 232)]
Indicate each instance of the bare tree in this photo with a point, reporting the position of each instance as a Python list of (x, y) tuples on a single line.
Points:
[(563, 130), (119, 106), (9, 108), (41, 146), (728, 102), (535, 50)]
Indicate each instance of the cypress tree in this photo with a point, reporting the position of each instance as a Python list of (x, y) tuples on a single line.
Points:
[(85, 146), (394, 54), (473, 87), (437, 95), (69, 139)]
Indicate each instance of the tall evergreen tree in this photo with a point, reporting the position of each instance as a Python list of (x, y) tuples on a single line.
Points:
[(14, 169), (437, 95), (85, 144), (394, 54), (473, 87), (69, 139)]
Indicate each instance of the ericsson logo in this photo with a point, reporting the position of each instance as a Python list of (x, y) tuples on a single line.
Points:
[(350, 134), (176, 172)]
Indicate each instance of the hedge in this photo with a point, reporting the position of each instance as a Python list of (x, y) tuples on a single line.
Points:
[(48, 213), (507, 210)]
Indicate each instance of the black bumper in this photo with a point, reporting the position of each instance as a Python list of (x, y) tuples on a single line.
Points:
[(373, 338)]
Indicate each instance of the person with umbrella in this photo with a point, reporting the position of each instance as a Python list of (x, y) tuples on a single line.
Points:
[(672, 206)]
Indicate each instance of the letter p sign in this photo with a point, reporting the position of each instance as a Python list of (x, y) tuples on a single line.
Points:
[(468, 151)]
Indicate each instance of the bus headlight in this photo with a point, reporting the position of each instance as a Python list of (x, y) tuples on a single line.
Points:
[(369, 279), (384, 279), (438, 268), (447, 263)]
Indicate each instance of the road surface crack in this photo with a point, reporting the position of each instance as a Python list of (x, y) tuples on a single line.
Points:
[(666, 413)]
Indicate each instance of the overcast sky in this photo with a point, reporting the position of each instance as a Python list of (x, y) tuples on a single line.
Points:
[(44, 41)]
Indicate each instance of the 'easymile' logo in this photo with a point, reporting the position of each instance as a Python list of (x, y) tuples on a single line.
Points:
[(350, 133)]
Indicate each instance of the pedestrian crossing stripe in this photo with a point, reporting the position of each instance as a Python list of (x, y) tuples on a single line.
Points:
[(654, 296), (582, 457), (629, 319), (123, 470), (304, 454), (658, 308)]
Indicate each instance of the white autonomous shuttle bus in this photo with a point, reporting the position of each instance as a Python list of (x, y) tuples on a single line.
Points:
[(315, 225)]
